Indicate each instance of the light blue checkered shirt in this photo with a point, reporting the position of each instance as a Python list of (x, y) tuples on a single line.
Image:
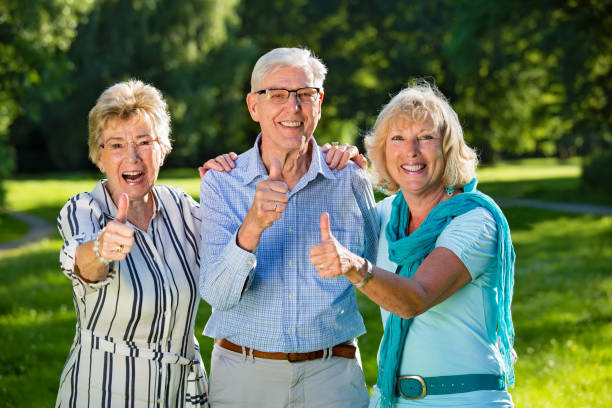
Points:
[(286, 306)]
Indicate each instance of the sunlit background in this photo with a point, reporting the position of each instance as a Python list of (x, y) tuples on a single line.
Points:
[(530, 80)]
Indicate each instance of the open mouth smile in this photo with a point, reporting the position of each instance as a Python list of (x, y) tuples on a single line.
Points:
[(133, 177)]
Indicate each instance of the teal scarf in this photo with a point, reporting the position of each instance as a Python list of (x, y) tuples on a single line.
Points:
[(410, 251)]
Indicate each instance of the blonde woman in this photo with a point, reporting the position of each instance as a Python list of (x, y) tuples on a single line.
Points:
[(132, 251), (445, 264)]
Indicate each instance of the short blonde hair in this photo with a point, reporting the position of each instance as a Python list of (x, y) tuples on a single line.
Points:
[(279, 58), (416, 103), (124, 101)]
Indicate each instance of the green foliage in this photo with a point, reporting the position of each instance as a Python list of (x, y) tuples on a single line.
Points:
[(597, 171), (533, 76), (526, 77), (6, 167), (34, 37), (176, 46)]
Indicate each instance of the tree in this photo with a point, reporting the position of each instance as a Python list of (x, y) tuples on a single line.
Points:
[(525, 77), (179, 46), (34, 37)]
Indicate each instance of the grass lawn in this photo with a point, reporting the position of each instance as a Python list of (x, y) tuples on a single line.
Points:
[(540, 179), (562, 306)]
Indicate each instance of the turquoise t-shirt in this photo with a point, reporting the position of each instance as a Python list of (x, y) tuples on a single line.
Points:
[(456, 336)]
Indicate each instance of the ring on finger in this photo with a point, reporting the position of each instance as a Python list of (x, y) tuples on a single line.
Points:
[(275, 207), (334, 143), (119, 248), (321, 267)]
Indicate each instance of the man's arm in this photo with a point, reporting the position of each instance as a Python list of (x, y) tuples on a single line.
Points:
[(229, 240), (362, 189), (225, 268)]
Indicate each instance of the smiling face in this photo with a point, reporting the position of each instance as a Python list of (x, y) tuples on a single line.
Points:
[(131, 158), (414, 157), (289, 126)]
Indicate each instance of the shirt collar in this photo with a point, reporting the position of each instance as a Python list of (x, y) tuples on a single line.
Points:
[(256, 168)]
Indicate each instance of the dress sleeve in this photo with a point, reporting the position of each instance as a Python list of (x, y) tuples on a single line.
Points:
[(473, 238), (80, 221)]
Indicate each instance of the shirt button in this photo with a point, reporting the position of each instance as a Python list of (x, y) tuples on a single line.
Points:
[(288, 331), (289, 263), (290, 229), (290, 297)]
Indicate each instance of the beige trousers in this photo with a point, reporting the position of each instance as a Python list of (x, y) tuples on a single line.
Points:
[(238, 380)]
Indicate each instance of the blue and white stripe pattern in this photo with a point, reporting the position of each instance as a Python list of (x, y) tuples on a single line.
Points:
[(285, 306), (134, 344)]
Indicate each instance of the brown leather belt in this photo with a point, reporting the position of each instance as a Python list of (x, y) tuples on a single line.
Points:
[(341, 350)]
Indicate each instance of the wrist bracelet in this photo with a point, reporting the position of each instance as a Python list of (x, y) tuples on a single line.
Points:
[(96, 248), (367, 276)]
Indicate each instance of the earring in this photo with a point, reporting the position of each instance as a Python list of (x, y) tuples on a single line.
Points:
[(450, 190)]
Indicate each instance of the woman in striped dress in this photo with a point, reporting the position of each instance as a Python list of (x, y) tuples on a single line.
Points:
[(132, 252)]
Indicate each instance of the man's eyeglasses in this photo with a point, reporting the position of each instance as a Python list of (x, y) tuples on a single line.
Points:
[(118, 146), (279, 96)]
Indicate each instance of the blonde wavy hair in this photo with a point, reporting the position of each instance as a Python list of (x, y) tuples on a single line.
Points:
[(124, 101), (416, 103)]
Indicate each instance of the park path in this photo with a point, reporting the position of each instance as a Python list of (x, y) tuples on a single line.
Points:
[(40, 228), (550, 205)]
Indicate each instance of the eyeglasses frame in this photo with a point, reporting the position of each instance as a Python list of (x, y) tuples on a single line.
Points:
[(267, 90)]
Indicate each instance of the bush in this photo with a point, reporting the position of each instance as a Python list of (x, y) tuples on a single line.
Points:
[(597, 170), (6, 167)]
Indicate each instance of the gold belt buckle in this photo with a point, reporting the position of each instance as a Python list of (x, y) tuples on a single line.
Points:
[(412, 377)]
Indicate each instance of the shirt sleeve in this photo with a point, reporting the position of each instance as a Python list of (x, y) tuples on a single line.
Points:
[(473, 238), (80, 221), (362, 189), (224, 266)]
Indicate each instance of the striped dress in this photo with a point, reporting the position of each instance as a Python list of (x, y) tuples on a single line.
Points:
[(134, 344)]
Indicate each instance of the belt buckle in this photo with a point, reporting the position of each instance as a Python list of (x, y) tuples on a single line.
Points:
[(419, 381)]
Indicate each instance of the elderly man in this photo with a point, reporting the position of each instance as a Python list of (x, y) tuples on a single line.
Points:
[(283, 335)]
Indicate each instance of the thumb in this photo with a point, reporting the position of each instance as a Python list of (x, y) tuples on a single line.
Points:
[(202, 171), (326, 234), (275, 169), (122, 208)]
